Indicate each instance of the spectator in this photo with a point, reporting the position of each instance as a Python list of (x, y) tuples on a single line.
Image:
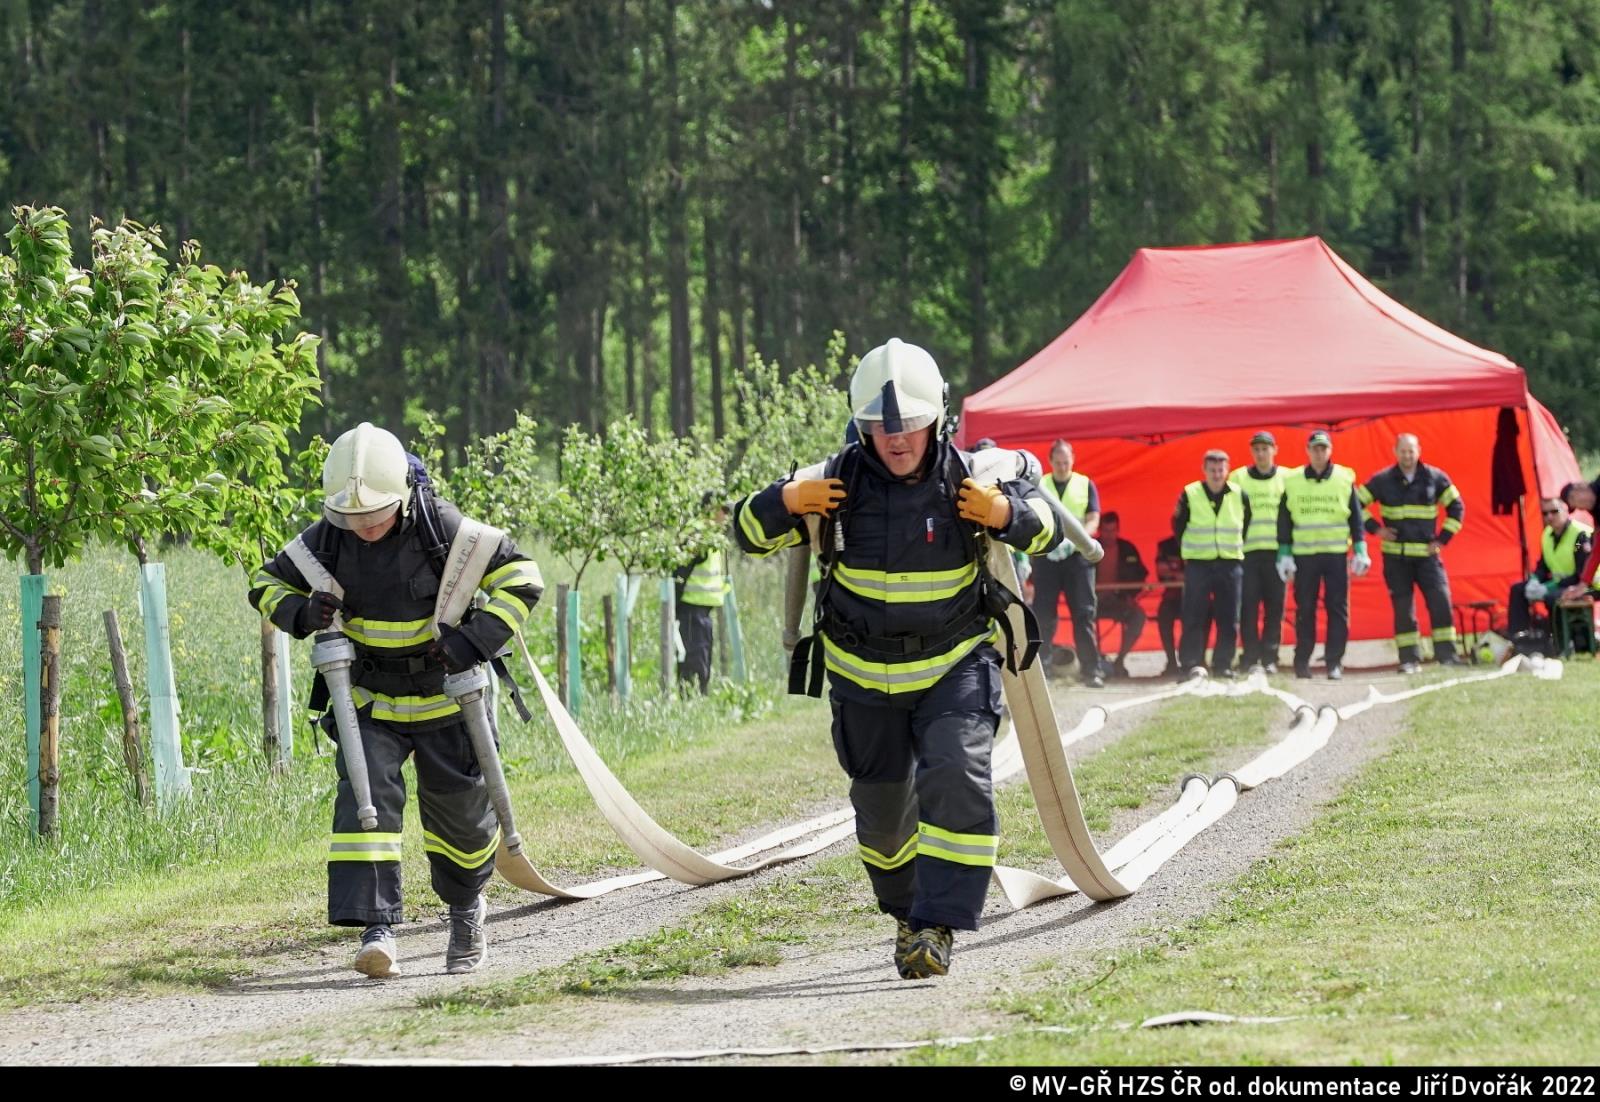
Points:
[(1566, 544), (1121, 566)]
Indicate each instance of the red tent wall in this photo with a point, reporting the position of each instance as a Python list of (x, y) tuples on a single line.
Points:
[(1141, 483)]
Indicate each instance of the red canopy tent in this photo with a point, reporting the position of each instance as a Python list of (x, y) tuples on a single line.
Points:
[(1196, 348)]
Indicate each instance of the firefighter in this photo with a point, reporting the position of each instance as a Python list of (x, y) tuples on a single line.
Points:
[(380, 538), (904, 628), (701, 587), (1409, 496), (1318, 522), (1261, 603), (1064, 571), (1211, 519)]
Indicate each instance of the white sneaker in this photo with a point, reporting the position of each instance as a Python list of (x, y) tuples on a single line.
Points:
[(379, 955)]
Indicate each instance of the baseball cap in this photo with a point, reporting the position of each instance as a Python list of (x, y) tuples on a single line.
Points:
[(1319, 437), (1264, 437)]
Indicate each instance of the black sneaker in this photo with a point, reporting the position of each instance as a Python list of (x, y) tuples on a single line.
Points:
[(1303, 673), (929, 954)]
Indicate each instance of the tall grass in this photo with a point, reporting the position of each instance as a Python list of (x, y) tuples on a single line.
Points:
[(239, 809)]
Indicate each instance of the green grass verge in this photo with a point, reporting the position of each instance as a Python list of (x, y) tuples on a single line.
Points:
[(1441, 911)]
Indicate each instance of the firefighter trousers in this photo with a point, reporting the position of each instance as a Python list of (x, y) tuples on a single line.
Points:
[(1403, 574), (459, 828), (920, 783)]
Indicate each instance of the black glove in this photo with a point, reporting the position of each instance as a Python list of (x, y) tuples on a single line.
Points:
[(453, 650), (317, 613)]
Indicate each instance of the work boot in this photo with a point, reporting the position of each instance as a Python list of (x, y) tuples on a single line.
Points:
[(1302, 672), (929, 954), (378, 955), (1335, 673), (467, 946), (903, 936)]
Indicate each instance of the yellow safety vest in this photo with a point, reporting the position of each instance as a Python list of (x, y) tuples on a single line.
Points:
[(706, 585), (1213, 533), (1265, 494), (1320, 509), (1075, 498), (1562, 558)]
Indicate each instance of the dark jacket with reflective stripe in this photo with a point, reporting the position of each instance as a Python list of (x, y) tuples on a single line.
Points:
[(909, 568), (390, 587), (1411, 508)]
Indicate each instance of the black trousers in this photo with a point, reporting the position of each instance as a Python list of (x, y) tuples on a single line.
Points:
[(1073, 577), (694, 624), (1167, 617), (1404, 574), (919, 774), (1330, 575), (1210, 590), (459, 828), (1260, 608), (1123, 609)]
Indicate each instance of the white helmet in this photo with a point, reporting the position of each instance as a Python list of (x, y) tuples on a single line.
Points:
[(365, 478), (897, 388)]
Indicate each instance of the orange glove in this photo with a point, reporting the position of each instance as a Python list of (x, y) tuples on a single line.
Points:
[(987, 505), (812, 495)]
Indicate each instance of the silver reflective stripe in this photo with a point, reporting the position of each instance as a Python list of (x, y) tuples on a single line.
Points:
[(928, 841), (364, 847)]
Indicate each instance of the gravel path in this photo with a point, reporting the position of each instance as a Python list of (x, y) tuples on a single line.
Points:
[(822, 995)]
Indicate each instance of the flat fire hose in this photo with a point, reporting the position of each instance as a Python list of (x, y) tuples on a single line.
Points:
[(652, 844)]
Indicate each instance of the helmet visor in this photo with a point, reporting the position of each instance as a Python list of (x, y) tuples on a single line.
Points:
[(355, 522), (877, 426)]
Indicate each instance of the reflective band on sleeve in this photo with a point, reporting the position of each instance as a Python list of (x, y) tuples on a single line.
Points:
[(1047, 526), (758, 536)]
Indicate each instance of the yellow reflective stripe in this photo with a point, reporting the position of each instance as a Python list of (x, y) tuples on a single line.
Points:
[(906, 587), (1451, 524), (1444, 635), (758, 536), (1450, 494), (963, 849), (274, 590), (1364, 495), (1406, 638), (388, 634), (517, 572), (1408, 549), (896, 677), (1408, 512), (888, 863), (371, 846), (510, 619), (432, 843), (1047, 526), (404, 709)]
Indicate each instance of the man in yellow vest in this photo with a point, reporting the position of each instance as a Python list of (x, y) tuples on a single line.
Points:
[(1210, 523), (1318, 522), (700, 588), (1064, 571), (1261, 608), (1565, 547)]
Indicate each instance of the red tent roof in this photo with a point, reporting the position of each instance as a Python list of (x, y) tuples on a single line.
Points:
[(1276, 332)]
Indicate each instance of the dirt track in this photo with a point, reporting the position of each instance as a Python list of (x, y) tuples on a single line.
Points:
[(826, 994)]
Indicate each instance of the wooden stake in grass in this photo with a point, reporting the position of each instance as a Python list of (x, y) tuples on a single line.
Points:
[(49, 714), (132, 757), (608, 608)]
